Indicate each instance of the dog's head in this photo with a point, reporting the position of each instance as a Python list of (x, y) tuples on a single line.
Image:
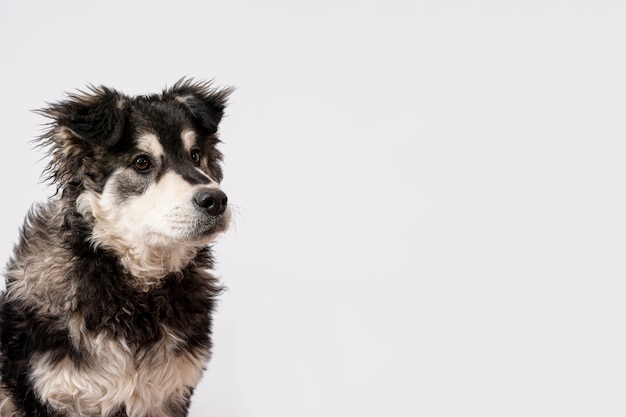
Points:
[(144, 171)]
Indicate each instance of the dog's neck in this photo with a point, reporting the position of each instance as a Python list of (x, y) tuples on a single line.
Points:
[(150, 264)]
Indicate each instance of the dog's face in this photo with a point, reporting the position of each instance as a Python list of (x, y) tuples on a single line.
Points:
[(162, 181), (146, 170)]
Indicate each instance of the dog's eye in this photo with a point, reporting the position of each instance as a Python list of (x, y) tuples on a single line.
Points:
[(195, 156), (142, 163)]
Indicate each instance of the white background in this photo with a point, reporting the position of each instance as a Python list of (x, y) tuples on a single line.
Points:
[(431, 195)]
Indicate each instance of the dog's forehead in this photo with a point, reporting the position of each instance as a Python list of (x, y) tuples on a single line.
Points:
[(150, 142), (159, 125)]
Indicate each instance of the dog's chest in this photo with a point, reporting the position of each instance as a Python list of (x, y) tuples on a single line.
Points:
[(113, 377), (132, 353)]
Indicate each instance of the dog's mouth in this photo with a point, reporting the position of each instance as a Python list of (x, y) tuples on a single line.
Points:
[(213, 227), (208, 228)]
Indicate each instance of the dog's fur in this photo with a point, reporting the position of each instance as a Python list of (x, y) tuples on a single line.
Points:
[(107, 310)]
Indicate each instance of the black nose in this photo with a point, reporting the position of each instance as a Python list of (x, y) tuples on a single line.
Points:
[(214, 201)]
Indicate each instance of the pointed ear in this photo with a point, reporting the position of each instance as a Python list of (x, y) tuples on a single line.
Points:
[(97, 116), (204, 103)]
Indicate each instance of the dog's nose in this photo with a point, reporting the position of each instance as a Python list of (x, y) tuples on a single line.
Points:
[(214, 201)]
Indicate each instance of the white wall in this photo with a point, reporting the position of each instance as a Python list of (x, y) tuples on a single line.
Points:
[(431, 195)]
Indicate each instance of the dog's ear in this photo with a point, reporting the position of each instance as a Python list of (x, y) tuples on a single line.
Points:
[(97, 116), (204, 103)]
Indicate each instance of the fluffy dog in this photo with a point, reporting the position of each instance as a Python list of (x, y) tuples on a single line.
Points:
[(107, 310)]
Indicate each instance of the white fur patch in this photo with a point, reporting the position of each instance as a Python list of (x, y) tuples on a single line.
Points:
[(149, 143), (115, 377), (7, 408), (189, 139)]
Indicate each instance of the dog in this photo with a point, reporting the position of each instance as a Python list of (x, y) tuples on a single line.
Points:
[(110, 292)]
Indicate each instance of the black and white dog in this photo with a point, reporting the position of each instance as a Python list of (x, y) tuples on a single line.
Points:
[(108, 302)]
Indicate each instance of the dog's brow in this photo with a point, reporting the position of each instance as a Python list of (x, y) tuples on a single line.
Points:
[(189, 139), (149, 142)]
